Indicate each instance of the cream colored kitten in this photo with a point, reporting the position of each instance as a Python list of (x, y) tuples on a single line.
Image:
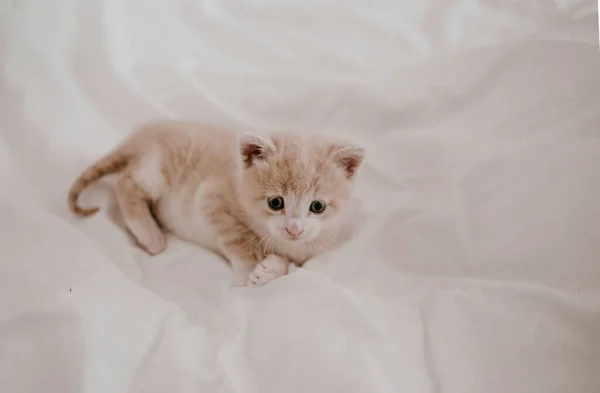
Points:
[(260, 201)]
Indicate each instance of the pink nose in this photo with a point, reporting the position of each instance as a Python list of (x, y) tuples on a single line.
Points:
[(294, 230)]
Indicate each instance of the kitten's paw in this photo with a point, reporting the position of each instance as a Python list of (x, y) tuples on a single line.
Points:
[(267, 270), (150, 239)]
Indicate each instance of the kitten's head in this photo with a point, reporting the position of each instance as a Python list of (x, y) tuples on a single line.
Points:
[(297, 185)]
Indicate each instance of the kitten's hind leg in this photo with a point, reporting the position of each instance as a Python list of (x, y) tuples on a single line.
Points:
[(134, 203)]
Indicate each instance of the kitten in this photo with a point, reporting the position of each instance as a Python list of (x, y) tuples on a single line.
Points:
[(260, 201)]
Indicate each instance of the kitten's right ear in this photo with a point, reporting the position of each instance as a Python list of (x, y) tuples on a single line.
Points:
[(254, 147)]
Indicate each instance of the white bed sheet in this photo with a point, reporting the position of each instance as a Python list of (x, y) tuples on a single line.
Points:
[(478, 269)]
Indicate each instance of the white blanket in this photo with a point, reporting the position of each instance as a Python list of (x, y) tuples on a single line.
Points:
[(477, 271)]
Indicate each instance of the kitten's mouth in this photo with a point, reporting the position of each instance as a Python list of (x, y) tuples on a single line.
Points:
[(298, 239)]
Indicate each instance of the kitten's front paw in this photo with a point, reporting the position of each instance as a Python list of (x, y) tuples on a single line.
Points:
[(267, 270)]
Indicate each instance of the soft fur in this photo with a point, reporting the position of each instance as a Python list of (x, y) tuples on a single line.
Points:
[(211, 187)]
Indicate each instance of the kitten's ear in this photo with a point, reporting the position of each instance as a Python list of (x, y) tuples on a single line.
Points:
[(348, 157), (254, 147)]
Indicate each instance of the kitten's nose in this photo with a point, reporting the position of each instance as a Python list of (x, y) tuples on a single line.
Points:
[(294, 230)]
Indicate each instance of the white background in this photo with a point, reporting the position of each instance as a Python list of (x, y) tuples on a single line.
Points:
[(478, 269)]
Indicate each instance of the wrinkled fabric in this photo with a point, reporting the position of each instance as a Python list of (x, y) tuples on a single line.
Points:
[(476, 270)]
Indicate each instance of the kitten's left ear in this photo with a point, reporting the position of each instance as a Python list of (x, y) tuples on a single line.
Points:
[(254, 147), (348, 157)]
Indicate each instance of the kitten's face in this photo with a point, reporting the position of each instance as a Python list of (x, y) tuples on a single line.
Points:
[(297, 185)]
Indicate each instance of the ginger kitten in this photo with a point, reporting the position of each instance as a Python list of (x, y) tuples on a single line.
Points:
[(260, 201)]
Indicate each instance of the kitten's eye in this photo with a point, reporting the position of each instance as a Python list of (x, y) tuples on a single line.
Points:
[(275, 203), (317, 206)]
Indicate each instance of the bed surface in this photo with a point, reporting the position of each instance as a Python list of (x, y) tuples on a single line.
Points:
[(477, 270)]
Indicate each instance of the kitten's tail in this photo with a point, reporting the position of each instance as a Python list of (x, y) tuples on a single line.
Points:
[(113, 162)]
